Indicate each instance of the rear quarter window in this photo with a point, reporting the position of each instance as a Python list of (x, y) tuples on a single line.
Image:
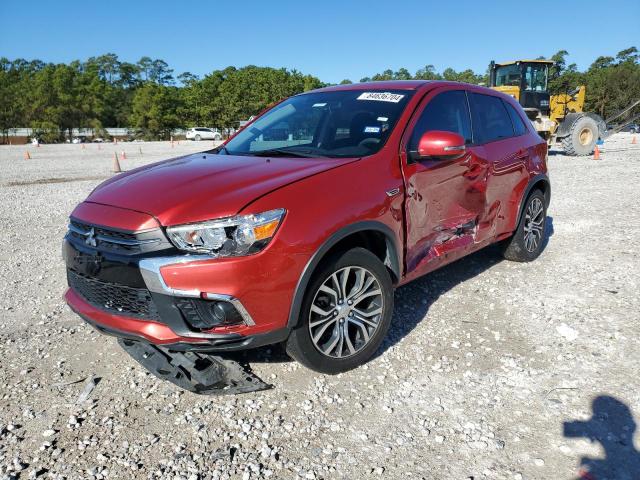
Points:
[(491, 121), (518, 125)]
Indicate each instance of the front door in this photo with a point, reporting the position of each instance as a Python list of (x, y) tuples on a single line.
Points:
[(445, 198)]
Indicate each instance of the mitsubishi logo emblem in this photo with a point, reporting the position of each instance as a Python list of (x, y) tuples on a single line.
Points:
[(91, 238)]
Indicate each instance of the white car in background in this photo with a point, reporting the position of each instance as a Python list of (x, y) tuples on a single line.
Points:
[(201, 133)]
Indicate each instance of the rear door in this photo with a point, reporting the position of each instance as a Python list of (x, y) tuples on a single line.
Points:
[(503, 138), (443, 203)]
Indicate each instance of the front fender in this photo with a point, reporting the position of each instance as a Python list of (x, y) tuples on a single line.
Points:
[(392, 261)]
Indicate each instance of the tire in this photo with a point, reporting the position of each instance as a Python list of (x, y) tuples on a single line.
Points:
[(329, 350), (582, 137), (197, 138), (518, 248)]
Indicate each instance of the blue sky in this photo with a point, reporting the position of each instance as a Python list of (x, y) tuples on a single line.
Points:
[(330, 39)]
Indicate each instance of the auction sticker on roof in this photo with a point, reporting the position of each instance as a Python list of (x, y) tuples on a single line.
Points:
[(381, 96)]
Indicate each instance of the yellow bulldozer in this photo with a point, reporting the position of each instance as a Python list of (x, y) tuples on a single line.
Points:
[(556, 117)]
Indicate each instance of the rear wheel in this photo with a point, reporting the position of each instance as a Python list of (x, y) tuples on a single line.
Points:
[(582, 137), (197, 138), (346, 313), (527, 243)]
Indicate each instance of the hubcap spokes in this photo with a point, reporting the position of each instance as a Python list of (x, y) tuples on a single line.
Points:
[(345, 312), (533, 225)]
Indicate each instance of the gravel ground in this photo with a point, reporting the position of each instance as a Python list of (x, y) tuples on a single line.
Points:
[(485, 362)]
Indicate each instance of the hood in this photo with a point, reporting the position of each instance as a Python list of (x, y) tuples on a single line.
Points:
[(204, 186)]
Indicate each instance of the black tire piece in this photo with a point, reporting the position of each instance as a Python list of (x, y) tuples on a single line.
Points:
[(300, 346), (513, 248), (571, 143)]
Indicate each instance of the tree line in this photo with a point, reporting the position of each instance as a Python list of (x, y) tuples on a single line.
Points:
[(148, 97)]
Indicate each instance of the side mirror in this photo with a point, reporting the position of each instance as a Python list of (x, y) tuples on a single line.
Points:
[(438, 144)]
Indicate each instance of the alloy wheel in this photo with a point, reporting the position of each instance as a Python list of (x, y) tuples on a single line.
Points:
[(345, 312), (533, 225)]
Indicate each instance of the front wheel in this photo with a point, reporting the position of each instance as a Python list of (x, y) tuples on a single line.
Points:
[(527, 242), (197, 138), (346, 313)]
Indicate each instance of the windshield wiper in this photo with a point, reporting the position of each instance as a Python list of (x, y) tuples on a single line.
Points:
[(282, 152)]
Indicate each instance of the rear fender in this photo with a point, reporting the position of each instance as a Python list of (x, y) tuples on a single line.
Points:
[(537, 181)]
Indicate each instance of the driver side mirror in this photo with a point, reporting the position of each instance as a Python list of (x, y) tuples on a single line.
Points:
[(439, 145)]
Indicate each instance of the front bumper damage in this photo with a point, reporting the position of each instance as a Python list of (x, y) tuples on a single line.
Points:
[(117, 287), (198, 373)]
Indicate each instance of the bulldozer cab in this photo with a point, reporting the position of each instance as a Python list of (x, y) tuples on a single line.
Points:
[(526, 81), (555, 117)]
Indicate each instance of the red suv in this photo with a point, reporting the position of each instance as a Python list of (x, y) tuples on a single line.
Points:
[(298, 229)]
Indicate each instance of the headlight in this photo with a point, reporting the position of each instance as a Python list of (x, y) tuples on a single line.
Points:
[(228, 237)]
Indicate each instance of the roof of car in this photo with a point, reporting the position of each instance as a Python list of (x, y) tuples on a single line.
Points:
[(423, 85), (389, 85), (382, 85)]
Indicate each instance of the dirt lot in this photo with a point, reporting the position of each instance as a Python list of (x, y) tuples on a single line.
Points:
[(485, 363)]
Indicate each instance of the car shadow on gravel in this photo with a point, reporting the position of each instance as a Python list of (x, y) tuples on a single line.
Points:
[(611, 425), (412, 301)]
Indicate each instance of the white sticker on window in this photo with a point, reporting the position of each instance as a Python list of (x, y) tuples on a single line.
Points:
[(319, 104), (371, 129), (382, 119), (381, 96)]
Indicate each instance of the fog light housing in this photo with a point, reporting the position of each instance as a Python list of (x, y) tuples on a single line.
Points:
[(225, 313), (202, 314)]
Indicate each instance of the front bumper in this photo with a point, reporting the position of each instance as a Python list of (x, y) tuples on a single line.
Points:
[(160, 334), (159, 295)]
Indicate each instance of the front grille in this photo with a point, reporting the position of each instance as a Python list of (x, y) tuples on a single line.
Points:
[(114, 298), (124, 243)]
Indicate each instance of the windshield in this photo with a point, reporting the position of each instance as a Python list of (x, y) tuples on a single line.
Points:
[(509, 75), (535, 77), (350, 123)]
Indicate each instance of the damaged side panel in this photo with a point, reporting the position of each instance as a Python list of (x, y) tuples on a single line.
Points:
[(446, 210)]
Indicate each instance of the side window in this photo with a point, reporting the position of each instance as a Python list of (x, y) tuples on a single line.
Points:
[(516, 119), (448, 112), (491, 120)]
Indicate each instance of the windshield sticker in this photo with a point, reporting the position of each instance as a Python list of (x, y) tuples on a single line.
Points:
[(319, 105), (381, 96), (371, 129), (382, 119)]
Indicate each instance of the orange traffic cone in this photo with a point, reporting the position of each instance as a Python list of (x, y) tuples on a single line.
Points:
[(27, 156), (124, 155), (596, 153), (633, 140), (116, 164)]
